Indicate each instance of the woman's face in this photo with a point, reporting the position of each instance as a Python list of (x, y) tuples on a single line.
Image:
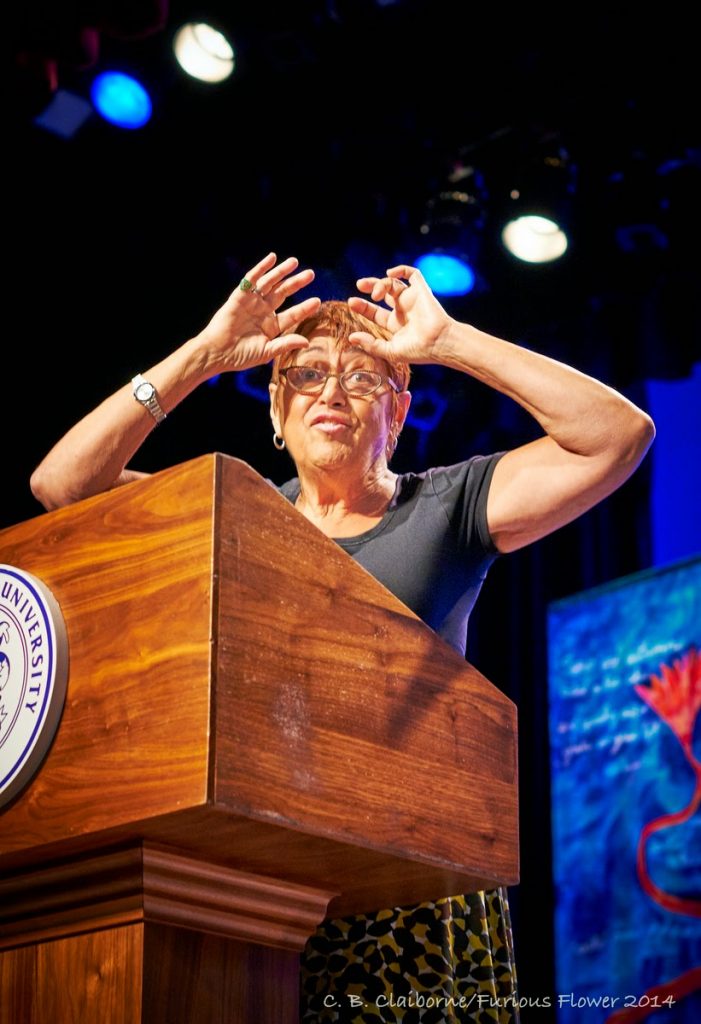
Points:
[(333, 430)]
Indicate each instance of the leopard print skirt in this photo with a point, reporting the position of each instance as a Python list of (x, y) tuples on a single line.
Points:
[(447, 962)]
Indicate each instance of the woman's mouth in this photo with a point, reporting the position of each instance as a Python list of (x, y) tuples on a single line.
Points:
[(330, 424)]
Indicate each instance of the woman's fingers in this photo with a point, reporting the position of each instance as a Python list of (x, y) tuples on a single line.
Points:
[(265, 277), (295, 314), (250, 280), (376, 287), (269, 280), (273, 283), (379, 292), (284, 344), (290, 285), (375, 313), (261, 267), (404, 271), (377, 347), (382, 289)]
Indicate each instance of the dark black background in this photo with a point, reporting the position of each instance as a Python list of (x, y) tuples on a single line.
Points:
[(342, 121)]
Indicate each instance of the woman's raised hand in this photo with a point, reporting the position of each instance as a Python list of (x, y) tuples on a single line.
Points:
[(416, 319), (248, 330)]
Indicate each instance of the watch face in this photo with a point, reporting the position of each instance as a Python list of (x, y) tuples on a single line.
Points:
[(144, 392)]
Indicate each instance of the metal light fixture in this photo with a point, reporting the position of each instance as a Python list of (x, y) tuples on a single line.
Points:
[(538, 208), (451, 233)]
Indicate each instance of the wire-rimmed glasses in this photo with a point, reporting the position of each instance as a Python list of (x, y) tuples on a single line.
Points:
[(310, 380)]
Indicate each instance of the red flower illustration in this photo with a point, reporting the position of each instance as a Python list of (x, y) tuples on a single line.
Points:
[(676, 694)]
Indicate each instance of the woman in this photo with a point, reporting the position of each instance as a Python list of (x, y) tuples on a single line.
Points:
[(339, 400)]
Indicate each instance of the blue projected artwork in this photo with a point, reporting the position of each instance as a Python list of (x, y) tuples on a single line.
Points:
[(625, 731)]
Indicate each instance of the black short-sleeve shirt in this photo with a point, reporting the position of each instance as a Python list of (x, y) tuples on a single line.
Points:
[(432, 548)]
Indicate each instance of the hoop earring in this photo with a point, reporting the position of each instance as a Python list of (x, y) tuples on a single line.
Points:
[(279, 442)]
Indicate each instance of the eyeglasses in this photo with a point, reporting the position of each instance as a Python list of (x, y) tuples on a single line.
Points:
[(308, 380)]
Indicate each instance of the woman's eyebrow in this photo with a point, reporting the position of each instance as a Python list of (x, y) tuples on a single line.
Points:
[(351, 353)]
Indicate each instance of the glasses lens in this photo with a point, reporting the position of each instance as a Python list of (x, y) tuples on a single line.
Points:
[(305, 378), (361, 382), (310, 380)]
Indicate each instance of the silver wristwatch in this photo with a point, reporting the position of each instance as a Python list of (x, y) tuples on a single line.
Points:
[(145, 394)]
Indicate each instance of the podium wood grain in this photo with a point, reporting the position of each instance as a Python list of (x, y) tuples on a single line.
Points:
[(132, 573), (256, 734), (242, 690), (146, 972)]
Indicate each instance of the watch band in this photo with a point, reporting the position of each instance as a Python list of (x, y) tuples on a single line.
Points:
[(149, 398)]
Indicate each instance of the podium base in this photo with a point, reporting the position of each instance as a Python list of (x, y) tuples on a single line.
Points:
[(148, 935)]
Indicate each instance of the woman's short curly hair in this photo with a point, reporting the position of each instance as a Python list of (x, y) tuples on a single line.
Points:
[(339, 320)]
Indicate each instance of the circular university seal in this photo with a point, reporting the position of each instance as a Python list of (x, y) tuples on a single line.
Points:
[(33, 674)]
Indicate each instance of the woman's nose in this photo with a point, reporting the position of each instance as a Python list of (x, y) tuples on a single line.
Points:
[(332, 392)]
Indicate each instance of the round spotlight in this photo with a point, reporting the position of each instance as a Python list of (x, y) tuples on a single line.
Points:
[(534, 239), (445, 274), (120, 99), (203, 52)]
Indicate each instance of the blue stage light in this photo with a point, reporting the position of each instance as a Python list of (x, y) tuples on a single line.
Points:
[(445, 274), (120, 99)]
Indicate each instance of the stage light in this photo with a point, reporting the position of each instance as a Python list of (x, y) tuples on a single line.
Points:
[(534, 239), (451, 234), (204, 53), (446, 274), (120, 99), (539, 205)]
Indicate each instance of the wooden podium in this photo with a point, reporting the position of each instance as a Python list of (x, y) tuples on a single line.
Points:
[(256, 735)]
